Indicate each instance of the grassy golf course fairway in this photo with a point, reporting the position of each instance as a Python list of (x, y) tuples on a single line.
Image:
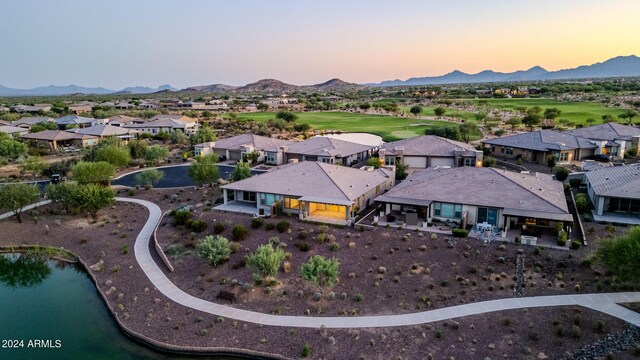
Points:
[(389, 127)]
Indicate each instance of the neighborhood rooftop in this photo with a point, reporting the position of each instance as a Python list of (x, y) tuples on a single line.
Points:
[(519, 194), (105, 130), (324, 146), (543, 140), (616, 181), (607, 131), (316, 181), (57, 135), (428, 145), (74, 120), (258, 142)]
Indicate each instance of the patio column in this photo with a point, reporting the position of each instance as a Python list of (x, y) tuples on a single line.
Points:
[(224, 194), (348, 212)]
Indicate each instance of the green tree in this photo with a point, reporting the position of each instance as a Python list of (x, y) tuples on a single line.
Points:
[(621, 255), (115, 155), (45, 125), (252, 157), (365, 106), (287, 116), (608, 118), (552, 113), (149, 177), (205, 169), (531, 120), (439, 111), (137, 148), (402, 170), (241, 171), (32, 165), (14, 197), (93, 197), (155, 153), (481, 116), (590, 121), (561, 173), (266, 260), (514, 122), (468, 129), (215, 249), (88, 172), (449, 132), (415, 110), (12, 148), (178, 137), (628, 116), (203, 135), (321, 271), (536, 110), (375, 161), (262, 107)]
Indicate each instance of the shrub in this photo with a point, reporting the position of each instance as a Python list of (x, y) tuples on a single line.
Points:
[(218, 228), (304, 246), (460, 233), (302, 235), (283, 226), (575, 331), (582, 203), (257, 223), (439, 334), (559, 331), (600, 326), (576, 245), (239, 232), (322, 229), (562, 238), (574, 183), (197, 225), (181, 216), (320, 271), (488, 162), (334, 247), (215, 249), (306, 350), (266, 260), (269, 226), (125, 249), (358, 297), (561, 173), (621, 255)]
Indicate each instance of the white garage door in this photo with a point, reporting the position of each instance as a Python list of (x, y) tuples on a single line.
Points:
[(442, 162), (415, 161)]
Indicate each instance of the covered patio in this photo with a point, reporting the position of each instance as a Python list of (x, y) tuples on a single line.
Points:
[(242, 207), (320, 209)]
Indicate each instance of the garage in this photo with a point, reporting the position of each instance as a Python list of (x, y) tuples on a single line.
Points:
[(416, 162), (442, 162)]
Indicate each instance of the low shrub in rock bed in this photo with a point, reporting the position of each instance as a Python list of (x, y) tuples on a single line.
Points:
[(218, 228), (197, 225), (239, 232), (283, 226), (459, 233), (257, 223)]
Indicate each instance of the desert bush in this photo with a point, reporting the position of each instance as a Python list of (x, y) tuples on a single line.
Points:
[(283, 226), (197, 225), (215, 249), (218, 228), (306, 351), (266, 260), (358, 297), (302, 235), (582, 203), (334, 246), (257, 223), (562, 238), (460, 233), (269, 226), (621, 255), (322, 229), (574, 183), (600, 326), (239, 232), (181, 216), (320, 271)]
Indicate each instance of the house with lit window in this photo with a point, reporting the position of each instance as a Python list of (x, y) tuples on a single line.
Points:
[(611, 138), (467, 196), (235, 147), (166, 123), (615, 193), (538, 146), (429, 151), (312, 190), (322, 149)]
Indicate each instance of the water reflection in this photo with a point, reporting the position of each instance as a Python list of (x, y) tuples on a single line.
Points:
[(23, 270)]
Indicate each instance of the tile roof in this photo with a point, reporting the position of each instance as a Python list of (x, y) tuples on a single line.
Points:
[(324, 146), (104, 130), (543, 140), (258, 142), (31, 120), (74, 120), (484, 187), (616, 181), (57, 135), (123, 119), (606, 131), (171, 121), (12, 129), (314, 179), (428, 145)]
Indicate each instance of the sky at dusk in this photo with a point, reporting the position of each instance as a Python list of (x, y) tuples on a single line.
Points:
[(120, 43)]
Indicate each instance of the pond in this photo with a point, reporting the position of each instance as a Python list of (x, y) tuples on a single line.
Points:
[(175, 176), (359, 138), (44, 299)]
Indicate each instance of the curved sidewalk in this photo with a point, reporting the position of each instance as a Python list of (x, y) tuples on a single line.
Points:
[(606, 303)]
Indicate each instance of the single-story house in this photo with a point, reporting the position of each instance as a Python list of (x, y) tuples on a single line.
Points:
[(108, 131), (538, 146), (615, 193), (474, 195), (430, 151), (74, 121), (315, 191), (81, 108), (53, 139), (120, 120), (611, 138), (322, 149), (28, 122), (13, 131), (166, 123), (235, 147), (32, 109)]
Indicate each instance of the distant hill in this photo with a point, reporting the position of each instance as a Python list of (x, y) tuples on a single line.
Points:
[(615, 67), (215, 88), (274, 86), (337, 85), (53, 90), (268, 86)]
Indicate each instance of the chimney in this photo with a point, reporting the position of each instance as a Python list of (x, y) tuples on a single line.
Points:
[(400, 151), (382, 153)]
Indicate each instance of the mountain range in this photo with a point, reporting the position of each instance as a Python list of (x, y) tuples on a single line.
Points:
[(616, 67), (621, 66)]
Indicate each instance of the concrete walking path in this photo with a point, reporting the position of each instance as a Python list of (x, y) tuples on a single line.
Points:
[(26, 208), (606, 303)]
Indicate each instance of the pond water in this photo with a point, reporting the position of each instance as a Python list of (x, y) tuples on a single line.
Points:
[(175, 176), (42, 299), (359, 138)]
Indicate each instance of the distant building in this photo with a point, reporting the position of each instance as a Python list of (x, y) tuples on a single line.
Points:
[(13, 131), (166, 123), (28, 122), (74, 121), (234, 148), (610, 138), (54, 139), (615, 193), (430, 151), (108, 131)]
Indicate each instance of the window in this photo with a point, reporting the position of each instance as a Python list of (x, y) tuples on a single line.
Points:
[(447, 210), (268, 199), (271, 158), (488, 215), (493, 149), (249, 196), (390, 161), (291, 203), (509, 151)]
